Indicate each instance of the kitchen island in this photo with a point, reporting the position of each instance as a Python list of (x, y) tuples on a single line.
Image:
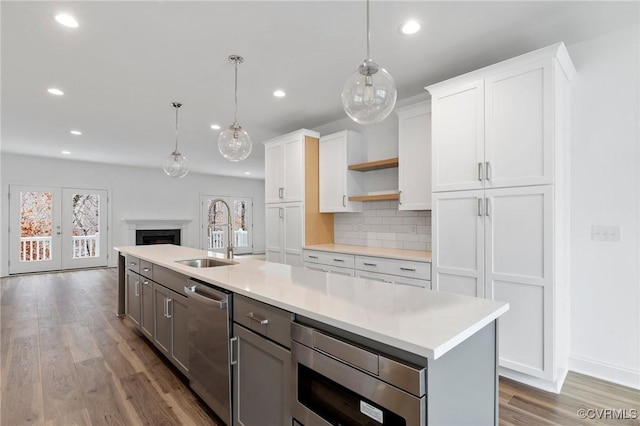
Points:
[(452, 338)]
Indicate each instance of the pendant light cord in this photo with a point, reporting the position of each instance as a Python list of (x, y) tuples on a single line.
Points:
[(175, 105), (235, 113), (368, 34)]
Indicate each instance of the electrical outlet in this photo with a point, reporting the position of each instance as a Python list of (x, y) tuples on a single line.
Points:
[(605, 233)]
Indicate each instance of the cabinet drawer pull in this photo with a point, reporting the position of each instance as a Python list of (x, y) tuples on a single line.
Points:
[(480, 171), (370, 264), (344, 201), (234, 352), (338, 260), (133, 264), (280, 212), (280, 192), (169, 311), (261, 321), (488, 170), (488, 209), (407, 269), (146, 269), (136, 288), (400, 197), (313, 257), (145, 283), (480, 210)]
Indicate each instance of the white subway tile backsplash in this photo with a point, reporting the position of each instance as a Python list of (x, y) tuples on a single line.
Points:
[(381, 224)]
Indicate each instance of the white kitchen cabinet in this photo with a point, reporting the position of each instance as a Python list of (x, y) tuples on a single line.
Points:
[(292, 211), (500, 219), (284, 167), (337, 182), (285, 231), (414, 149)]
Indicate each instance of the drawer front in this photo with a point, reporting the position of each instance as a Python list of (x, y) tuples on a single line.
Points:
[(264, 319), (393, 279), (403, 268), (133, 263), (170, 279), (330, 269), (146, 269), (328, 258)]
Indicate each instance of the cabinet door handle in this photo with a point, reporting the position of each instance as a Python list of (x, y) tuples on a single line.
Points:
[(480, 171), (488, 209), (280, 212), (400, 197), (136, 288), (344, 201), (313, 257), (261, 321), (369, 264), (280, 192), (407, 269), (338, 260), (169, 311), (234, 352), (480, 209), (166, 307), (488, 169)]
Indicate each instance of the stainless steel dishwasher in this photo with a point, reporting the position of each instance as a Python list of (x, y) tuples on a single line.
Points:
[(209, 334)]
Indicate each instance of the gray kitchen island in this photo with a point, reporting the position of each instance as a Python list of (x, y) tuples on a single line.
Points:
[(267, 344)]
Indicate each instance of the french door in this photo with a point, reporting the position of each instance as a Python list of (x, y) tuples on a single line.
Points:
[(215, 228), (54, 228)]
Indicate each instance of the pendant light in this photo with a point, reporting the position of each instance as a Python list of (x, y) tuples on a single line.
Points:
[(234, 143), (176, 164), (369, 95)]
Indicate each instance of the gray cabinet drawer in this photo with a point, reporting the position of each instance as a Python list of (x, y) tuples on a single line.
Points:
[(133, 263), (329, 258), (264, 319), (170, 279), (146, 269), (403, 268)]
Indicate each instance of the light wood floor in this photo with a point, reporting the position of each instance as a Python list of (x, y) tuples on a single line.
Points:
[(66, 359)]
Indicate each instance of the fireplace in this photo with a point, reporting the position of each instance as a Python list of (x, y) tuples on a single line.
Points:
[(157, 236)]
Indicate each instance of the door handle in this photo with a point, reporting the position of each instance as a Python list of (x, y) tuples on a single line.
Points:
[(488, 209), (400, 197), (280, 212), (344, 201), (136, 288), (480, 207), (233, 356), (488, 170), (480, 171), (280, 192)]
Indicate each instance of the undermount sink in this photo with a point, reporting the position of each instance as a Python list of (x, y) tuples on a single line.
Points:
[(205, 263)]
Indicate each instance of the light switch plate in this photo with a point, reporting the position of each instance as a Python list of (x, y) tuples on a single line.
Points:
[(605, 233)]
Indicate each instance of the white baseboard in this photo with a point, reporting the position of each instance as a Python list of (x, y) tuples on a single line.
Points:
[(545, 385), (610, 373)]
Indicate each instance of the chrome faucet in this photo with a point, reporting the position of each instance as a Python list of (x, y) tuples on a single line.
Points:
[(229, 225)]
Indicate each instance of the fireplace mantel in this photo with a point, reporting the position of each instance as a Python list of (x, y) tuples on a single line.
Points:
[(135, 224)]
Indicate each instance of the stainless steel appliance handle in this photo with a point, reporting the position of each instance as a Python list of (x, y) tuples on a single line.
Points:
[(261, 321), (191, 292)]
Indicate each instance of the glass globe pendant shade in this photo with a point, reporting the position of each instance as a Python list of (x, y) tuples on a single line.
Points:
[(369, 95), (176, 165), (234, 143)]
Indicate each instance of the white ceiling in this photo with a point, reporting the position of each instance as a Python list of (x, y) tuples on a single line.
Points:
[(125, 64)]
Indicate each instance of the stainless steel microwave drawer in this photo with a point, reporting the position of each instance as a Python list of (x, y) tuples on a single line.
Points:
[(264, 319)]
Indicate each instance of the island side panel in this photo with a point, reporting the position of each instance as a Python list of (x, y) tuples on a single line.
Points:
[(122, 271), (462, 385)]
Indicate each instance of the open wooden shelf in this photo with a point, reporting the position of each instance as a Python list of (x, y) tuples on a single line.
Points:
[(375, 197), (375, 165)]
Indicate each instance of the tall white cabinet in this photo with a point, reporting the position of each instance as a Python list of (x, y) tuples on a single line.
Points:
[(337, 182), (292, 217), (501, 203)]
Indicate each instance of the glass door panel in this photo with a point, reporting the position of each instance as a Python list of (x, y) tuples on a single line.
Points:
[(34, 229), (84, 242)]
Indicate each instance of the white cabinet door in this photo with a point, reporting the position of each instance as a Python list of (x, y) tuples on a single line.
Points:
[(293, 168), (519, 270), (273, 172), (274, 222), (519, 126), (458, 137), (337, 182), (414, 149), (293, 233), (458, 242)]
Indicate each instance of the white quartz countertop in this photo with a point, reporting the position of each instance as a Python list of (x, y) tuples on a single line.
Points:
[(420, 321), (415, 255)]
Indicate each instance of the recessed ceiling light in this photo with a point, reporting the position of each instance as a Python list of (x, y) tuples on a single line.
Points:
[(67, 20), (279, 94), (55, 91), (66, 152), (410, 27), (75, 132), (215, 126)]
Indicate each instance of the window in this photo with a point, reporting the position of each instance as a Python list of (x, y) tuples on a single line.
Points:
[(215, 227)]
